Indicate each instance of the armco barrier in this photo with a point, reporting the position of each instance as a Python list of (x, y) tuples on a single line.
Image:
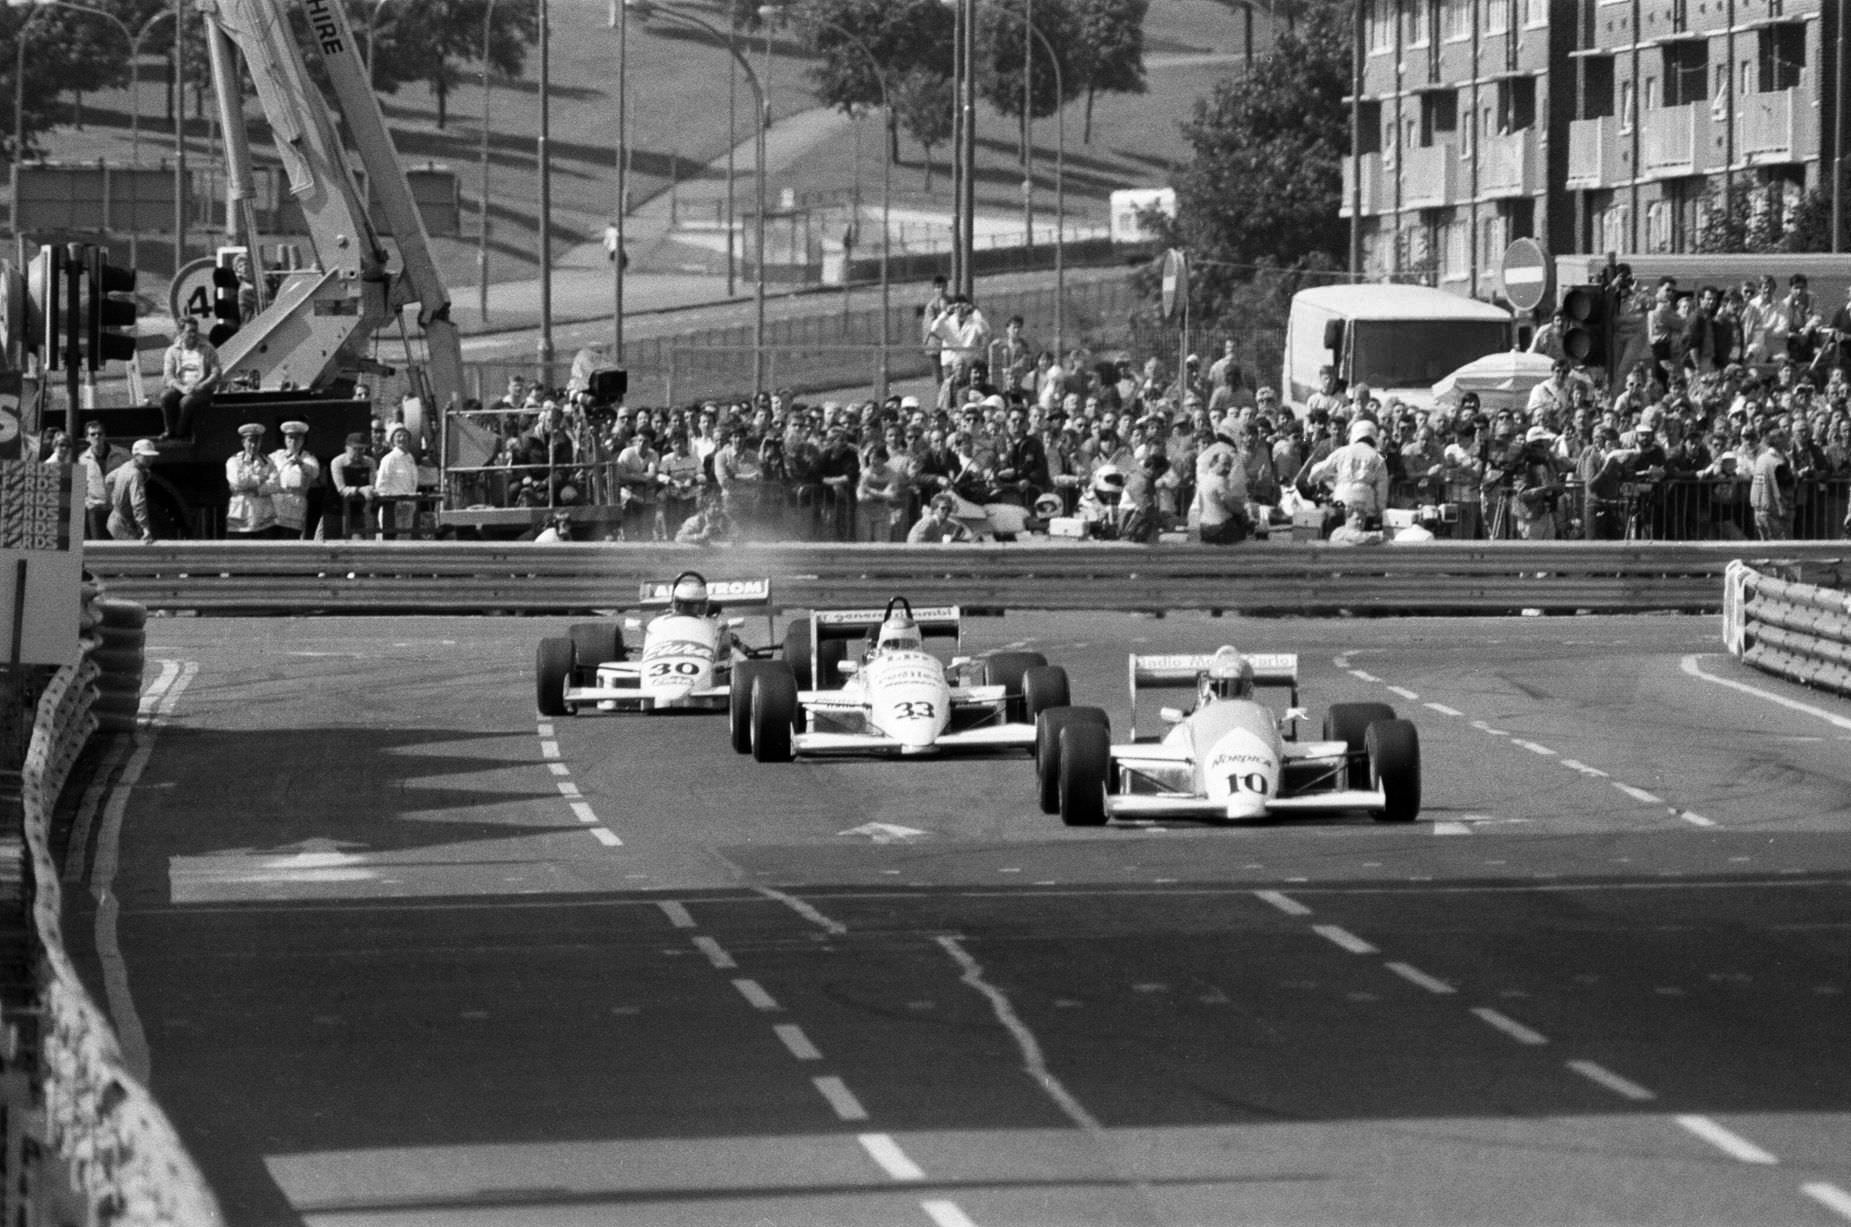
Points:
[(231, 577), (1791, 629), (120, 1153)]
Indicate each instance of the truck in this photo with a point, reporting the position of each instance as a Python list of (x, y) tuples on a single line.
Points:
[(1400, 340), (305, 353)]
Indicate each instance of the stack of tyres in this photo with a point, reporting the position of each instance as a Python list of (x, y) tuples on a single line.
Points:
[(119, 655)]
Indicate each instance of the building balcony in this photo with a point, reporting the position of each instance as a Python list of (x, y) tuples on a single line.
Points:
[(1675, 141), (1430, 177), (1507, 166), (1596, 154), (1781, 126), (1367, 168)]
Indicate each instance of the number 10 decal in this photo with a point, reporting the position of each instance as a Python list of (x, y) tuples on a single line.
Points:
[(1252, 781)]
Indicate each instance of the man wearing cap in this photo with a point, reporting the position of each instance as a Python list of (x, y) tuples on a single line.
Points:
[(351, 475), (1535, 487), (1356, 471), (252, 479), (127, 488), (298, 494)]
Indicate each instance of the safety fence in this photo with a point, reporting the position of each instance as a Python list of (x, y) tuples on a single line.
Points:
[(122, 1162), (233, 577), (1791, 629), (1669, 509)]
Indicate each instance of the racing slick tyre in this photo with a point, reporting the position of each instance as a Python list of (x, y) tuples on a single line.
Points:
[(739, 704), (1047, 748), (121, 636), (552, 667), (125, 614), (774, 715), (1348, 722), (596, 642), (122, 662), (1394, 767), (1007, 669), (797, 652), (1085, 756), (1044, 688)]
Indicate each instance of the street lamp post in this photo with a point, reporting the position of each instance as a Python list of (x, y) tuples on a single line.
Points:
[(620, 18), (544, 157), (372, 20), (488, 17), (19, 113), (135, 135), (1060, 182), (645, 9)]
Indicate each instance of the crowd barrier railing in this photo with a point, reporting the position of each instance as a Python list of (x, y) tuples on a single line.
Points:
[(233, 577), (1791, 629)]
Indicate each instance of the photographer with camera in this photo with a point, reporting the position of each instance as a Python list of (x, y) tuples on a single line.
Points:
[(1536, 487)]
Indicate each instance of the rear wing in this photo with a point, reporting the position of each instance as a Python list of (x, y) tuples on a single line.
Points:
[(935, 622), (728, 593), (1181, 671)]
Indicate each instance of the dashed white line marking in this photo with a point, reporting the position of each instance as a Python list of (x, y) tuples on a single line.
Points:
[(568, 789), (1830, 1196), (1695, 820), (544, 729), (892, 1160), (716, 954), (606, 836), (1344, 938), (1533, 747), (549, 749), (583, 811), (559, 769), (1452, 828), (1603, 1076), (834, 928), (1510, 1026), (1285, 903), (1482, 727), (840, 1098), (946, 1214), (755, 993), (1730, 1143), (799, 1044), (1365, 677), (677, 913), (1414, 975), (1405, 693), (1444, 710), (1584, 769), (1639, 794)]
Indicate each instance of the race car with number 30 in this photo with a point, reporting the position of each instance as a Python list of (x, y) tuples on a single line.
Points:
[(1230, 757), (896, 698), (689, 659)]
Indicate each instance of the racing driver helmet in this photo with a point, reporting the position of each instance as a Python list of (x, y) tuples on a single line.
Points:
[(688, 596), (899, 633), (1229, 675)]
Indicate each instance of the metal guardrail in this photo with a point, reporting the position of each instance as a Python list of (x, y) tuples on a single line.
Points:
[(249, 577)]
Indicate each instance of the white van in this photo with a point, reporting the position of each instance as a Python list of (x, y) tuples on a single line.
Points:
[(1398, 339)]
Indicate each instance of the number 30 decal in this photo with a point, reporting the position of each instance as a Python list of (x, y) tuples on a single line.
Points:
[(1253, 781), (662, 668), (914, 709)]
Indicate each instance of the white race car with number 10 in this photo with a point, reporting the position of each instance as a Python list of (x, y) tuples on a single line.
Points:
[(1230, 757), (898, 698)]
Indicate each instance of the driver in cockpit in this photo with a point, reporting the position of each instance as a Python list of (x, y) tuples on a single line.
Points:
[(899, 633), (1229, 676)]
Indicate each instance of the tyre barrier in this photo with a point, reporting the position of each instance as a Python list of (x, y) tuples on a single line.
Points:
[(1794, 630), (117, 645)]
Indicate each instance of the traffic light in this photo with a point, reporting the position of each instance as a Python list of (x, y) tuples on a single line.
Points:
[(227, 313), (44, 296), (1588, 318), (109, 315)]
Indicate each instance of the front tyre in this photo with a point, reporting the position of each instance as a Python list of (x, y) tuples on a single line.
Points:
[(1008, 669), (552, 669), (1085, 760), (1048, 726), (1348, 723), (1394, 766), (774, 715), (739, 704), (1043, 689)]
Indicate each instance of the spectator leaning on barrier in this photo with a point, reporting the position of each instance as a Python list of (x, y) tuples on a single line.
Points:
[(127, 488), (252, 479), (298, 490), (354, 513), (1770, 489), (396, 485), (936, 525)]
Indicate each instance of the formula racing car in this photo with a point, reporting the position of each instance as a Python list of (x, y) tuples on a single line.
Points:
[(895, 697), (689, 660), (1230, 757)]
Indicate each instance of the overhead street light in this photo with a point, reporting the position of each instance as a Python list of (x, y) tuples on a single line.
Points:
[(646, 9), (1060, 179)]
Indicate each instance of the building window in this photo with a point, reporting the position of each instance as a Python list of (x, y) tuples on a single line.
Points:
[(1439, 117), (1516, 102), (1629, 105), (1497, 16), (1780, 56), (1597, 87), (1687, 72), (1380, 20), (1417, 23), (1536, 13), (1456, 20)]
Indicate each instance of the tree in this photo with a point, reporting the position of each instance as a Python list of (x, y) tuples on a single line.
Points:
[(1108, 51), (67, 52), (1749, 217), (924, 99), (1265, 182), (911, 36), (1000, 35), (429, 42)]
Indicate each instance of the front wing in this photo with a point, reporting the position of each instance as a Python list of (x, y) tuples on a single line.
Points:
[(1189, 805), (635, 699), (992, 737)]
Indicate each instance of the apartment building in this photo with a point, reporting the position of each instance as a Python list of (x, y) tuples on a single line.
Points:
[(1589, 125)]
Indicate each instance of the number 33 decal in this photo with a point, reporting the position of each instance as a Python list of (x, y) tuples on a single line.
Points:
[(914, 710)]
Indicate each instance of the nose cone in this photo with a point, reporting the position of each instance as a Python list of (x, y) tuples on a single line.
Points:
[(910, 726), (1241, 772)]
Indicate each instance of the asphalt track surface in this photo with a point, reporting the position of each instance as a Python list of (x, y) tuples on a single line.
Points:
[(397, 951)]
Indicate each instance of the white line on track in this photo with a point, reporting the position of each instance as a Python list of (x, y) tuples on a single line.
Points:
[(1452, 828), (1830, 1196), (840, 1098), (1602, 1076), (755, 993), (584, 812), (1639, 794), (1584, 769), (1533, 747), (1344, 938), (544, 729), (1414, 975), (793, 1038), (568, 789), (677, 913), (606, 836), (549, 748), (716, 953), (1359, 675), (96, 795), (833, 927), (886, 1152), (1285, 903), (1729, 1142), (946, 1214), (1695, 820), (559, 769), (1405, 693), (1482, 727), (1444, 710), (1510, 1026), (1690, 666)]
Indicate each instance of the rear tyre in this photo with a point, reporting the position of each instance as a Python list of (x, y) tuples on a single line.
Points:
[(1085, 758), (774, 715), (597, 642), (797, 653), (552, 668), (1394, 767), (1007, 669), (1043, 689), (1048, 726), (739, 704), (1348, 722)]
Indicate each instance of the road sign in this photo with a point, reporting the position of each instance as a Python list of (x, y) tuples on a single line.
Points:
[(1525, 273), (1175, 282)]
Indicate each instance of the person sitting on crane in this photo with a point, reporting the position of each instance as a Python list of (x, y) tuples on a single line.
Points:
[(189, 372)]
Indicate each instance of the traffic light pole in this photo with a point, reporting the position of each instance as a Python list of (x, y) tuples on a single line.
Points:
[(73, 335)]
